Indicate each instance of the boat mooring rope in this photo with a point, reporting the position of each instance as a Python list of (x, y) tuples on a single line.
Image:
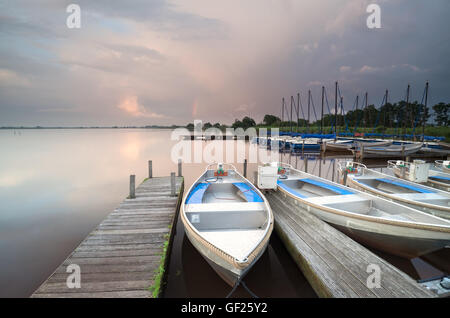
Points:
[(241, 282)]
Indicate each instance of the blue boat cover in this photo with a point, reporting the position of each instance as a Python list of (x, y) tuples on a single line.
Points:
[(196, 195), (249, 193), (439, 178), (324, 185), (282, 185), (404, 185)]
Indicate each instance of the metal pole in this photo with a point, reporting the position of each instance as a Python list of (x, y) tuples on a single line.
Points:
[(255, 177), (172, 184), (309, 106), (132, 186), (150, 169), (291, 114), (407, 104), (424, 112), (365, 117), (321, 121), (345, 177), (306, 163), (335, 111)]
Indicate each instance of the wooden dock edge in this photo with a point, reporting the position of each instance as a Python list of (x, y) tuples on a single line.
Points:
[(172, 233), (140, 292), (340, 273)]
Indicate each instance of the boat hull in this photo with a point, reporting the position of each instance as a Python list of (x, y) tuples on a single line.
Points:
[(393, 239), (225, 271), (386, 152)]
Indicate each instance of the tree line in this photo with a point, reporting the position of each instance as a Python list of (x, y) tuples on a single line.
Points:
[(400, 116)]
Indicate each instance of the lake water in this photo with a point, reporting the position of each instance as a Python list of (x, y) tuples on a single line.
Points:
[(56, 186)]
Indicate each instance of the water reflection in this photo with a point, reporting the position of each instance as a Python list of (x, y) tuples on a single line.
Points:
[(57, 185)]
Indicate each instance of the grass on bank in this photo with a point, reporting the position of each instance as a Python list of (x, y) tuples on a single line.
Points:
[(155, 288)]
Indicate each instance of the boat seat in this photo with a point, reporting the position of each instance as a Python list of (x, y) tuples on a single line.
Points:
[(405, 185), (249, 193), (324, 185), (234, 215), (196, 195)]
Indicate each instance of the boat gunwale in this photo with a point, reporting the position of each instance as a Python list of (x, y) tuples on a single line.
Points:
[(416, 225)]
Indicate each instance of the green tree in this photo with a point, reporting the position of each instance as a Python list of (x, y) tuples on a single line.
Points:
[(269, 120), (442, 111), (237, 124), (248, 122)]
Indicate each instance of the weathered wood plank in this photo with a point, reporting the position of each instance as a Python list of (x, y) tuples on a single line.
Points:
[(108, 294), (120, 256)]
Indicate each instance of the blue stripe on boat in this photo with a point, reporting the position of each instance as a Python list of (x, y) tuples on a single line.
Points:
[(324, 185), (249, 193), (196, 195), (404, 185), (290, 190)]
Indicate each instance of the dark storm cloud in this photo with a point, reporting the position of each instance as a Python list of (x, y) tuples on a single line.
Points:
[(139, 62)]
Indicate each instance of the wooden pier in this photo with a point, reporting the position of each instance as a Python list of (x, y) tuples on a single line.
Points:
[(334, 264), (120, 257)]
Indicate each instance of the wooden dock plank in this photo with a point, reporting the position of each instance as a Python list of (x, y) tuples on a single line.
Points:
[(119, 257), (334, 264)]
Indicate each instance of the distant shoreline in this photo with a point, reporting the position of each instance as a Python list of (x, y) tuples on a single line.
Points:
[(93, 127)]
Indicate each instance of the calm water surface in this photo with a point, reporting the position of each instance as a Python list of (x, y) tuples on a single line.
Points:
[(56, 186)]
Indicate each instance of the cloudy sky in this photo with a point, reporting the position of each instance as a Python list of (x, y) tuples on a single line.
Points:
[(167, 62)]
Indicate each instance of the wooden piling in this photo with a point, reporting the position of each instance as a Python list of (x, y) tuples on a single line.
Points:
[(132, 187), (180, 172), (245, 168), (344, 181), (172, 184), (150, 169)]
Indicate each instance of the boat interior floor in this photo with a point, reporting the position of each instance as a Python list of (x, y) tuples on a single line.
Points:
[(308, 188), (238, 243), (406, 191)]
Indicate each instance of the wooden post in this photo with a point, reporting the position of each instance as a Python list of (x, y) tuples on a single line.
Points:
[(172, 184), (345, 177), (361, 149), (403, 151), (303, 147), (179, 168), (245, 168), (132, 187), (255, 177), (306, 164), (150, 169)]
